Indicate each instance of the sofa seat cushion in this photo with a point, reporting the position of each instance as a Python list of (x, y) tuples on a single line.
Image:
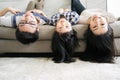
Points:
[(116, 28)]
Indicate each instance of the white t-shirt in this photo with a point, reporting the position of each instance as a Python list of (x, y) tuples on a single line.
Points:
[(89, 12), (6, 21)]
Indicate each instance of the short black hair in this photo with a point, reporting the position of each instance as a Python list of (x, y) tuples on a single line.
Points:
[(26, 37)]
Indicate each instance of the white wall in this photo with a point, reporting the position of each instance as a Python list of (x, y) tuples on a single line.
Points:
[(113, 6)]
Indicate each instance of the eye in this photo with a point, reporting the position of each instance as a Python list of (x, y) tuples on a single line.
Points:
[(102, 24), (67, 26), (32, 23), (22, 23), (94, 26)]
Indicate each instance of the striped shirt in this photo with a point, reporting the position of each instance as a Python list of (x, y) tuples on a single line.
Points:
[(13, 20), (41, 17)]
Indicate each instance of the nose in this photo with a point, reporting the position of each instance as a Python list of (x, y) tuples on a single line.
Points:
[(97, 21)]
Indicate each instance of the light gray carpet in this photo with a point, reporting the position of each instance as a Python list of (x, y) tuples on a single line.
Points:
[(45, 69)]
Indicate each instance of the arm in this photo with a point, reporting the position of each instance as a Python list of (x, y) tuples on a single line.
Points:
[(9, 9), (39, 12), (84, 20)]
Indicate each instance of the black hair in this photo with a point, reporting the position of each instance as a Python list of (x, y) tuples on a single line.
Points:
[(62, 16), (26, 37), (63, 46), (99, 48)]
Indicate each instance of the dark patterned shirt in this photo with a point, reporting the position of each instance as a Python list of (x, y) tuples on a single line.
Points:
[(71, 16)]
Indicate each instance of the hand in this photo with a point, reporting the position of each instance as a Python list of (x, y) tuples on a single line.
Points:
[(61, 10), (66, 10), (14, 11)]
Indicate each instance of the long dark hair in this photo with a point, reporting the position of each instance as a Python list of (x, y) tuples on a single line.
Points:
[(99, 48), (56, 39), (63, 46)]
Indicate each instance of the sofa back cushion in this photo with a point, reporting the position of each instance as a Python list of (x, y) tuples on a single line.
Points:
[(18, 4), (52, 6)]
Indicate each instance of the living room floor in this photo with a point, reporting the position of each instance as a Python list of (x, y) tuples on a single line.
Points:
[(43, 68)]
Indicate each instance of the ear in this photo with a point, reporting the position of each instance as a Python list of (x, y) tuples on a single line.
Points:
[(38, 28), (38, 20)]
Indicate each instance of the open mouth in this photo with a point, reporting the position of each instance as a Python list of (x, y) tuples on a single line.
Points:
[(62, 20)]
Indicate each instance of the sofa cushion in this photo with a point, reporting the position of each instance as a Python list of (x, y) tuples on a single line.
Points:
[(46, 32), (116, 28), (52, 6)]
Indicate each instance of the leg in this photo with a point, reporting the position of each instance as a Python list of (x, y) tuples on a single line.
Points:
[(40, 4), (31, 5), (77, 6)]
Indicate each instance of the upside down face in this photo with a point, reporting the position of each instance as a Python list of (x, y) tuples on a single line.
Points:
[(28, 23), (63, 26), (98, 24)]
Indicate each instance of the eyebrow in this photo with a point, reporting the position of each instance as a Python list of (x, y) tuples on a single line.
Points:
[(22, 20), (97, 28)]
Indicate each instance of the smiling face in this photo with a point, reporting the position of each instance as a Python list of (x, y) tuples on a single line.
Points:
[(98, 24), (63, 26), (28, 23)]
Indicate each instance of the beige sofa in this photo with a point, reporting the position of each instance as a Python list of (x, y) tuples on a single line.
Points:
[(9, 44)]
